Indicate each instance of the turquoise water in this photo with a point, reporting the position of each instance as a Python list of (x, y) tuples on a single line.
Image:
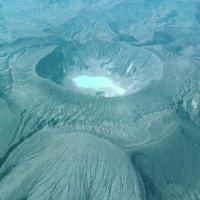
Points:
[(99, 100), (98, 83)]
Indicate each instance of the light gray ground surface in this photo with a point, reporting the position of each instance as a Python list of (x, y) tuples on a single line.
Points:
[(63, 142)]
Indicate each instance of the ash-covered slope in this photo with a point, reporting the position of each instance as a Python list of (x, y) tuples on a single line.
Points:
[(60, 141)]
